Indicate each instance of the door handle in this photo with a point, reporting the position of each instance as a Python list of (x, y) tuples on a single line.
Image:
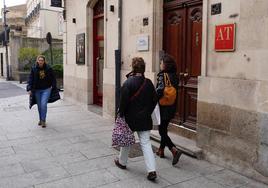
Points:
[(97, 71), (196, 39)]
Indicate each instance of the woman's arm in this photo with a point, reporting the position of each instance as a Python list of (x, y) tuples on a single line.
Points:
[(30, 81), (160, 86), (124, 99), (53, 78)]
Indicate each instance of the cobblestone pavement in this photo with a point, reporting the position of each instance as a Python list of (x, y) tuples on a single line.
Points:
[(74, 151)]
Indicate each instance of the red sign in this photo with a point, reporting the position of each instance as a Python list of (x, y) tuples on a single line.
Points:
[(225, 38)]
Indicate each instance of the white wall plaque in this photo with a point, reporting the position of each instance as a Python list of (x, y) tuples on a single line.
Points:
[(143, 43)]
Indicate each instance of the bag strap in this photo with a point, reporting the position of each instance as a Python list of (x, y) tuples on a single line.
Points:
[(167, 80), (139, 90)]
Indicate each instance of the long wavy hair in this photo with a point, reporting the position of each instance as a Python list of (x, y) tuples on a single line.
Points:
[(169, 63)]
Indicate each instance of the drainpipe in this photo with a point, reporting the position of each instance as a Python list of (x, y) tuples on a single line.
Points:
[(118, 58), (6, 40)]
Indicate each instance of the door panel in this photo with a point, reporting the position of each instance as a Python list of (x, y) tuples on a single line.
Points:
[(193, 63), (98, 51), (174, 45), (183, 40), (100, 62)]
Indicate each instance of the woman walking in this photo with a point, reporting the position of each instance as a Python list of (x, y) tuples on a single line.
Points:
[(167, 78), (137, 102), (42, 88)]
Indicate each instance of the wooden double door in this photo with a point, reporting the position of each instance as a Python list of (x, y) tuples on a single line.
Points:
[(182, 38)]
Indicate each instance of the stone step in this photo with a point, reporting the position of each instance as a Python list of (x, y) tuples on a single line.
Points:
[(186, 145)]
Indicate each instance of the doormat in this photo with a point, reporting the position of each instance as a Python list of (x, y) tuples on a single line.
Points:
[(136, 151)]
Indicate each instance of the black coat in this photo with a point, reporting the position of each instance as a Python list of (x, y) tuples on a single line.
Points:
[(137, 112), (32, 82), (166, 112)]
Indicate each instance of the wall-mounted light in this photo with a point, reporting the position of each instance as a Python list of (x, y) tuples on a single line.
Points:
[(111, 8), (74, 20)]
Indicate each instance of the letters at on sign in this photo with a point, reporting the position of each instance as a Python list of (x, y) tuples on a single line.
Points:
[(225, 38)]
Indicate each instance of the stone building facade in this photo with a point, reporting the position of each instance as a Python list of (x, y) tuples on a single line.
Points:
[(42, 18), (222, 93), (16, 23), (16, 19), (15, 44)]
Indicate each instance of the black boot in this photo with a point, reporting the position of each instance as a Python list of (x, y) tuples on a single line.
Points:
[(176, 155), (152, 176)]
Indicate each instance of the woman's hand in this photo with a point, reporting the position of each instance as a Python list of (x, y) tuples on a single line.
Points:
[(30, 92)]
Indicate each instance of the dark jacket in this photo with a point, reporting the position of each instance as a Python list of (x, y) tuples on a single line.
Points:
[(166, 112), (137, 112), (33, 84)]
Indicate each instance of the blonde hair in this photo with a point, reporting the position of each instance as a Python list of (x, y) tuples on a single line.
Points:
[(41, 56)]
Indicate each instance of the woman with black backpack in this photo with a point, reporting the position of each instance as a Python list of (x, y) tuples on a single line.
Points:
[(166, 88)]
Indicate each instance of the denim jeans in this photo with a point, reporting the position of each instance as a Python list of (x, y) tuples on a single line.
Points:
[(146, 148), (42, 97)]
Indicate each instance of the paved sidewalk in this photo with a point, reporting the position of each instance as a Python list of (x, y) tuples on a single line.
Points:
[(74, 152)]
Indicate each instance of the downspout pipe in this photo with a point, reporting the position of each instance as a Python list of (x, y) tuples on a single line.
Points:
[(118, 58)]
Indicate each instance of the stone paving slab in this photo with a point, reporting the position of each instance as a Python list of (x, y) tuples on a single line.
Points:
[(197, 183), (177, 175), (75, 151), (138, 182), (11, 170), (229, 178), (92, 179), (90, 165), (6, 151), (37, 177), (254, 185)]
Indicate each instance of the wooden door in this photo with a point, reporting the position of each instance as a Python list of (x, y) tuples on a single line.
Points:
[(183, 40), (98, 50)]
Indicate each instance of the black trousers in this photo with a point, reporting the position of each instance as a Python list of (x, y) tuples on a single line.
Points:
[(165, 140)]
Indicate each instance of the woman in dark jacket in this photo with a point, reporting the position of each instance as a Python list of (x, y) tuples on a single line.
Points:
[(42, 88), (137, 102), (167, 112)]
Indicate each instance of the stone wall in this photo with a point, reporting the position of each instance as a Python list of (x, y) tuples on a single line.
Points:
[(17, 42), (233, 90), (78, 79), (132, 26)]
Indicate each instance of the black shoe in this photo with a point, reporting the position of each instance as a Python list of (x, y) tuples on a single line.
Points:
[(116, 162), (152, 176), (176, 155), (39, 123), (43, 124)]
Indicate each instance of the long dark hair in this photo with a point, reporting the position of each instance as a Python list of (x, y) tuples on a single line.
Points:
[(169, 63)]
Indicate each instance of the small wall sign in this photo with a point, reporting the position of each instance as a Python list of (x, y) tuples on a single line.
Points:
[(56, 3), (143, 43), (216, 9), (80, 49), (225, 38), (145, 21)]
